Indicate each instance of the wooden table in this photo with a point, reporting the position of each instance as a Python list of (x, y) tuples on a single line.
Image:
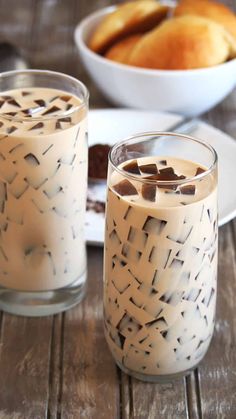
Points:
[(59, 366)]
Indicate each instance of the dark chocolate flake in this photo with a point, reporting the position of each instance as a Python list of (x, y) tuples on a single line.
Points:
[(163, 162), (31, 159), (166, 175), (149, 169), (40, 102), (199, 171), (7, 97), (29, 111), (168, 171), (13, 102), (66, 119), (25, 93), (65, 98), (58, 125), (11, 129), (125, 187), (1, 124), (149, 192), (10, 113), (68, 106), (132, 167), (37, 126), (172, 191), (2, 103), (53, 98), (51, 110), (188, 189), (47, 149)]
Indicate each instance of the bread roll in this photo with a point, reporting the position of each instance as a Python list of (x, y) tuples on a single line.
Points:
[(218, 12), (185, 42), (120, 52), (211, 9), (127, 19)]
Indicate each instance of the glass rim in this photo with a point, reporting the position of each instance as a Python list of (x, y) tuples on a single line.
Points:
[(159, 134), (84, 100)]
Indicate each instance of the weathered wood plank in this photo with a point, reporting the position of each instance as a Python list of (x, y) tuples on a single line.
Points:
[(24, 366), (217, 373), (149, 401), (55, 374), (90, 382)]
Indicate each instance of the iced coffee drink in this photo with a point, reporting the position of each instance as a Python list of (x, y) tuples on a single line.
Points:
[(160, 264), (43, 178)]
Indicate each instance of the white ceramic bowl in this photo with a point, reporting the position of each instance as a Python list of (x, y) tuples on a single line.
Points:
[(187, 92)]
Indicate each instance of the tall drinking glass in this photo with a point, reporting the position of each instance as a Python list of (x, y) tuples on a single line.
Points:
[(43, 182), (160, 265)]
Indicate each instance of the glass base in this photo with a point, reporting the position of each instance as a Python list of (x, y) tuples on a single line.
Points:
[(42, 303), (161, 379)]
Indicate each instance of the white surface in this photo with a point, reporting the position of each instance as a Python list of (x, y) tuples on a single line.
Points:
[(112, 125), (187, 92)]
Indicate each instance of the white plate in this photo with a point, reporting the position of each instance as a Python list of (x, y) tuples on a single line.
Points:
[(112, 125)]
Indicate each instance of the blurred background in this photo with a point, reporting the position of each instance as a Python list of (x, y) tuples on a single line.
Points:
[(43, 31)]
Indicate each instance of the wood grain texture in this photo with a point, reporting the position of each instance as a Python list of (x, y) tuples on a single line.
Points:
[(164, 401), (217, 373), (90, 381), (24, 366)]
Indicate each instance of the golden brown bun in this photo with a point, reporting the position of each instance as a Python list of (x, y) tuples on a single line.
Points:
[(127, 19), (121, 51), (211, 9), (185, 42)]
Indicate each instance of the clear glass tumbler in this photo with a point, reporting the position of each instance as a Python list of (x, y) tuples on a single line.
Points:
[(160, 264), (43, 183)]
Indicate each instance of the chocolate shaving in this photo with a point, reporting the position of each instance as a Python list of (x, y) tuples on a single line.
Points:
[(11, 129), (149, 192), (51, 110), (163, 162), (125, 187), (66, 119), (32, 159), (188, 189), (168, 171), (166, 175), (13, 102), (173, 191), (40, 102), (149, 168), (10, 113), (69, 106), (7, 97), (26, 111), (132, 167), (58, 125), (25, 93), (37, 126), (1, 103), (53, 98), (199, 171), (65, 98), (1, 124)]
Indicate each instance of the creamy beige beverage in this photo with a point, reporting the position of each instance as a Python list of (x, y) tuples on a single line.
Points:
[(43, 177), (160, 266)]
